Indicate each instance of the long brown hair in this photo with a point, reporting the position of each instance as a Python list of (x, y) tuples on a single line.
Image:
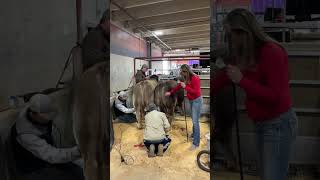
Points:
[(243, 22), (190, 73)]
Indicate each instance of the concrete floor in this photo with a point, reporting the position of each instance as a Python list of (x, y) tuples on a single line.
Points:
[(177, 163)]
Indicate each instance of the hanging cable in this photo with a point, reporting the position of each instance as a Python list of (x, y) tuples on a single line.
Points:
[(66, 65)]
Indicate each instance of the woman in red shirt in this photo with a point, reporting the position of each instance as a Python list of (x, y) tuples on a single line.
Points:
[(261, 70), (192, 86)]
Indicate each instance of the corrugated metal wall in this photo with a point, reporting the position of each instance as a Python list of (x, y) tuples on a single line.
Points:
[(125, 44)]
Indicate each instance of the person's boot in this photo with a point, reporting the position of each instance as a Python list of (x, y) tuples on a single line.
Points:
[(151, 151), (160, 150)]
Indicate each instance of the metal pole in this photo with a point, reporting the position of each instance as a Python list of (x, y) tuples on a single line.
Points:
[(237, 128), (79, 19), (177, 59), (272, 16), (158, 57), (284, 20), (134, 66), (185, 118)]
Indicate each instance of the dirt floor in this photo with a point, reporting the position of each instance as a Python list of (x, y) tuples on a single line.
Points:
[(177, 163)]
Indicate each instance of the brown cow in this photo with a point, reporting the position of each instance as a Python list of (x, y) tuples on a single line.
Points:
[(142, 96), (168, 104), (90, 121)]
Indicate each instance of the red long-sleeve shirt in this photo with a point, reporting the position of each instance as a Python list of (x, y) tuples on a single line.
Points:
[(192, 88), (267, 86)]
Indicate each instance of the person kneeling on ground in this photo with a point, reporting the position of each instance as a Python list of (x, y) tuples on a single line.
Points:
[(157, 125), (122, 112), (34, 149)]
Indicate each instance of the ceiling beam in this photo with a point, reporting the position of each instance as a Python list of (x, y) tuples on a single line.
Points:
[(207, 46), (193, 34), (179, 38), (135, 3), (163, 8), (188, 29), (186, 40), (191, 43), (178, 24), (174, 17)]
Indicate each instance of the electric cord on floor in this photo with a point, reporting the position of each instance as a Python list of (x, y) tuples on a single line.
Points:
[(124, 159)]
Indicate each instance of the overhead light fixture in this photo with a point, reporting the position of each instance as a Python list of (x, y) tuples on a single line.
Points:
[(158, 33)]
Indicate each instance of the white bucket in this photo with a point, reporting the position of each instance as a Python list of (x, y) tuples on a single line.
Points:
[(208, 140)]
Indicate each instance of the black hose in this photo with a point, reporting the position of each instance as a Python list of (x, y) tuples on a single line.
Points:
[(237, 128)]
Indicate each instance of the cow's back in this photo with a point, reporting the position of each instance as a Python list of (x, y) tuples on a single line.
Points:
[(90, 115), (142, 96)]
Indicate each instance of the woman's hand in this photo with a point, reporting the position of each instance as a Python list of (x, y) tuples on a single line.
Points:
[(167, 94), (234, 73), (183, 85)]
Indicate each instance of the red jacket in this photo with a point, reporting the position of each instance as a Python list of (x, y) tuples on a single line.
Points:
[(267, 86), (192, 88)]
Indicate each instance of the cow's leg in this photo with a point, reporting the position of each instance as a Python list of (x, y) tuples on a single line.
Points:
[(171, 111), (140, 117), (142, 122)]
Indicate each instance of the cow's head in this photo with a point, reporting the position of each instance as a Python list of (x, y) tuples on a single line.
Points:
[(179, 78), (154, 77)]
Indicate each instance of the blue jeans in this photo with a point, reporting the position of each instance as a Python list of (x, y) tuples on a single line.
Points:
[(165, 142), (195, 106), (274, 141), (127, 118)]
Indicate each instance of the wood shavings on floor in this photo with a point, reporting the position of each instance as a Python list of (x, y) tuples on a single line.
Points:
[(177, 163)]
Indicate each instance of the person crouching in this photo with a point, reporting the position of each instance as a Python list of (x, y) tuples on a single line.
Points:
[(156, 127)]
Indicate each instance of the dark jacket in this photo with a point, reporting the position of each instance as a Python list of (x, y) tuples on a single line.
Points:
[(140, 76), (95, 47), (34, 147)]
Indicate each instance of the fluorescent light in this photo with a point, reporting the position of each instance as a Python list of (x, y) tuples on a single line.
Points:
[(158, 33)]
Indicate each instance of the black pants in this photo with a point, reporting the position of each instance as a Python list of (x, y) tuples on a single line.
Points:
[(67, 171)]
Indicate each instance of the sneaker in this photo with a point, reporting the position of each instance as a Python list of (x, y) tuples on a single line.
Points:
[(160, 150), (151, 151), (193, 147)]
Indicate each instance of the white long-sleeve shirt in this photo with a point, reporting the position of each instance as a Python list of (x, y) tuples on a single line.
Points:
[(28, 137), (120, 105)]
